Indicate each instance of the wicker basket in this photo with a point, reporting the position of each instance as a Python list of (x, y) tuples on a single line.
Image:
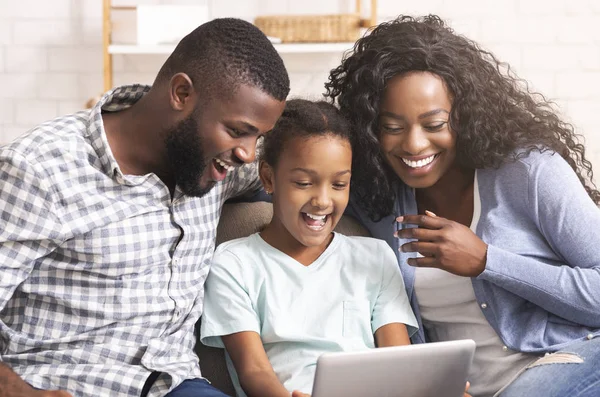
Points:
[(311, 28)]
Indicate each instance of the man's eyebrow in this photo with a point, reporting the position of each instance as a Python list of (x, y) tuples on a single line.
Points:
[(247, 126), (421, 116)]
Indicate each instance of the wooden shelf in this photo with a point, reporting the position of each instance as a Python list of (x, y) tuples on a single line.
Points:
[(290, 48), (109, 49)]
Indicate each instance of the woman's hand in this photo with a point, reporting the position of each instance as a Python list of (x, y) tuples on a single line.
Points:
[(297, 393), (444, 244), (467, 389)]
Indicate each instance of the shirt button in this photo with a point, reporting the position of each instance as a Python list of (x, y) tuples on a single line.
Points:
[(484, 305), (175, 262), (590, 336), (504, 348)]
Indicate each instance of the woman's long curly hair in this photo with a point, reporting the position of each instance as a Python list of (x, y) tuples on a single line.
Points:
[(495, 116)]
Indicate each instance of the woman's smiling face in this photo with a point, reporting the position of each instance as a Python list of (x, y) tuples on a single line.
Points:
[(415, 135)]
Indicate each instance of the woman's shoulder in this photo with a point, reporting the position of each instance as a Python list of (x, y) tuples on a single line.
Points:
[(526, 164), (534, 159)]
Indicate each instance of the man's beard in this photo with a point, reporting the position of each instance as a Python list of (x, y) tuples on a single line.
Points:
[(185, 154)]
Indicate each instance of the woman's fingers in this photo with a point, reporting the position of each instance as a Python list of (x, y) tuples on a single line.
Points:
[(424, 248), (425, 221), (418, 233)]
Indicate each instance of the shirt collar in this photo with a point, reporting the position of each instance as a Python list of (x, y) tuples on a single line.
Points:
[(115, 100)]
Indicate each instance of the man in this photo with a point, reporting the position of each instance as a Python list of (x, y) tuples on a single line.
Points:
[(108, 221)]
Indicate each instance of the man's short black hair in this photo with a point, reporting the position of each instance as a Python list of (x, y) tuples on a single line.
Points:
[(224, 53)]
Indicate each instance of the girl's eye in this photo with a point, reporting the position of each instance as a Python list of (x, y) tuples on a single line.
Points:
[(435, 127), (340, 186), (302, 184)]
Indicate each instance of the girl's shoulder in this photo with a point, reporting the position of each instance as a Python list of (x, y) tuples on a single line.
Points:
[(362, 246), (238, 246)]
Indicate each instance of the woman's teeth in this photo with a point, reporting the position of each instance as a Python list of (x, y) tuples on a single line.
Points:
[(224, 165), (419, 163)]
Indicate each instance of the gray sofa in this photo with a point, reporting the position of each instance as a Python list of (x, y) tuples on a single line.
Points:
[(240, 220)]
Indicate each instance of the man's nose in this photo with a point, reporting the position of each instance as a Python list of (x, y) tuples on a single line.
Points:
[(246, 150)]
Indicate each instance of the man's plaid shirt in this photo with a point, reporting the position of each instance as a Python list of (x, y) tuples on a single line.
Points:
[(101, 274)]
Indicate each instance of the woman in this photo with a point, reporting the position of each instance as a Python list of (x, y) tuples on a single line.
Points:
[(490, 193)]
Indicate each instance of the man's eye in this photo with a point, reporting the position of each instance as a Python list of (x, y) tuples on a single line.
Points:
[(236, 132)]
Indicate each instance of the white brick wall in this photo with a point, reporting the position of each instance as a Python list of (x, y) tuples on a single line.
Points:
[(51, 59)]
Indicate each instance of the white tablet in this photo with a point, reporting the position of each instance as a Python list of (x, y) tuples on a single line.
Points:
[(424, 370)]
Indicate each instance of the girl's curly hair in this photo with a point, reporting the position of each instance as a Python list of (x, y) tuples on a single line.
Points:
[(495, 116)]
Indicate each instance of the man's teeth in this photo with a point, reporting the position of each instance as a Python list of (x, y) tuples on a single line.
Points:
[(316, 217), (225, 165), (419, 163)]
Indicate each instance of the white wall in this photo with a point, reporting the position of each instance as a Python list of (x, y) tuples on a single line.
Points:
[(51, 59)]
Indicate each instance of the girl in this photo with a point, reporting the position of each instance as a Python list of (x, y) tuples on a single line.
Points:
[(510, 253), (264, 297)]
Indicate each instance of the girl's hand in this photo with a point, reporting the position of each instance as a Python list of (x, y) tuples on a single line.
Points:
[(444, 244)]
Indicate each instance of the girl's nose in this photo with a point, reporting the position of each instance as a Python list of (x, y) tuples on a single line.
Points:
[(321, 200)]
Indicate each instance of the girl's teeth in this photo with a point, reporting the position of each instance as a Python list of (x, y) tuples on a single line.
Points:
[(419, 163), (316, 217)]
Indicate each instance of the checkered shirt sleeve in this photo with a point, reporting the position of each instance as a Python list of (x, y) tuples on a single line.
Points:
[(101, 274)]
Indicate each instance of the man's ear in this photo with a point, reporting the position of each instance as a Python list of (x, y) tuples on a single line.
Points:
[(182, 95), (267, 176)]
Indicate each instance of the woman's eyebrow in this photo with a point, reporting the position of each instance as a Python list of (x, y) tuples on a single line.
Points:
[(433, 113), (421, 116)]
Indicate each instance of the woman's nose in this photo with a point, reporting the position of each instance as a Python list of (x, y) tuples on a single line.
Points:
[(415, 141)]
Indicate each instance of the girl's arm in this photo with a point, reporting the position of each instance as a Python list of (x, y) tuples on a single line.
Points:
[(231, 321), (394, 334), (252, 365)]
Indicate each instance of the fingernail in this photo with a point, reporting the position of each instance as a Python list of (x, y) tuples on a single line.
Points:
[(396, 234), (427, 212), (400, 219)]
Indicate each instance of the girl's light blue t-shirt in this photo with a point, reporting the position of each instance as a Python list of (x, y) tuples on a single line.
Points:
[(300, 312)]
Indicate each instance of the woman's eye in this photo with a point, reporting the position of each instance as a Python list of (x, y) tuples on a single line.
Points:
[(435, 127), (391, 129)]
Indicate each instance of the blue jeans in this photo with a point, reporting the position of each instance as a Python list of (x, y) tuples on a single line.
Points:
[(573, 371), (196, 388)]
